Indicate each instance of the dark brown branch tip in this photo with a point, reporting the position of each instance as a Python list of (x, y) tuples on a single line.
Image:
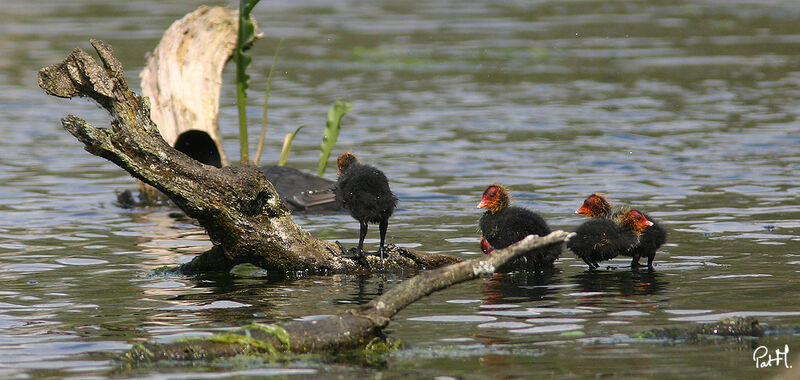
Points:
[(55, 80), (110, 61), (80, 75)]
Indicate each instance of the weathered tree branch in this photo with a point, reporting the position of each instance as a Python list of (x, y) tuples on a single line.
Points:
[(351, 329), (239, 209)]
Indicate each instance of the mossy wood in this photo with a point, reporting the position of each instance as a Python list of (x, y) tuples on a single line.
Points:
[(352, 329)]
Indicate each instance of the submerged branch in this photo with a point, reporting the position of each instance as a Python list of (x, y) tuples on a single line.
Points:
[(428, 282), (353, 328)]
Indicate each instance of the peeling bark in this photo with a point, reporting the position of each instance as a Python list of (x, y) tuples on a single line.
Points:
[(183, 75)]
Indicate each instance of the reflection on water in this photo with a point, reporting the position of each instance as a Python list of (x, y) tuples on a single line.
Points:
[(520, 287), (620, 282), (362, 292), (686, 109)]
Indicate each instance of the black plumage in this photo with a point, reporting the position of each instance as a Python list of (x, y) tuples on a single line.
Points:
[(597, 206), (503, 225), (301, 191), (604, 239), (652, 238), (599, 240), (364, 191)]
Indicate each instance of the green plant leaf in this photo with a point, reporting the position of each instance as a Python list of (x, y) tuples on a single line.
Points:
[(245, 38), (287, 144), (266, 108), (332, 128)]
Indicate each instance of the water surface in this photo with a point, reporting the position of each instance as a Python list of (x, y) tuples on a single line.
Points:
[(686, 109)]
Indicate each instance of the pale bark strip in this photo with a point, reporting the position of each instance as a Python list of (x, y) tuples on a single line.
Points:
[(183, 75)]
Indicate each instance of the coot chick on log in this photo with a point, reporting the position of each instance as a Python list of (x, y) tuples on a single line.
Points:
[(503, 224), (364, 191), (597, 206), (300, 190), (605, 239)]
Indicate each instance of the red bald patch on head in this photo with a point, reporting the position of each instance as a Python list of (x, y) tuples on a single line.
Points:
[(633, 221), (494, 198), (489, 196), (344, 160), (595, 206), (586, 207), (640, 219)]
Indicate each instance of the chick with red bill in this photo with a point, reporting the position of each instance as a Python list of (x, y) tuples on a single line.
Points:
[(364, 191), (597, 206), (504, 224), (604, 239)]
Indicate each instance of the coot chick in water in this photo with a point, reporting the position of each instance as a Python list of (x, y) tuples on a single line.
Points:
[(300, 190), (605, 239), (503, 224), (364, 191), (597, 206)]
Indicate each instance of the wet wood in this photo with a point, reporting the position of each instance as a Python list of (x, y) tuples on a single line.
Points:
[(351, 329)]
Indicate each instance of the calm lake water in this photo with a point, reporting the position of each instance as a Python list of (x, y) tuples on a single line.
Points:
[(686, 109)]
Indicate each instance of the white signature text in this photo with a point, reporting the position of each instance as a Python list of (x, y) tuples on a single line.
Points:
[(764, 359)]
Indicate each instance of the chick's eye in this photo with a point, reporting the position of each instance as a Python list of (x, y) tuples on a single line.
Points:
[(491, 194)]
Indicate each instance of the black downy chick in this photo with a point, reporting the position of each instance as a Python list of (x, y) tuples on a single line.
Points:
[(504, 224), (364, 191), (597, 206), (604, 239)]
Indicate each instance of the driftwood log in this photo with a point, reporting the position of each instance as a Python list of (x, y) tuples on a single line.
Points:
[(351, 329), (236, 205)]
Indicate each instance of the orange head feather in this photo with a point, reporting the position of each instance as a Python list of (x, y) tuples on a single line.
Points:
[(495, 198)]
